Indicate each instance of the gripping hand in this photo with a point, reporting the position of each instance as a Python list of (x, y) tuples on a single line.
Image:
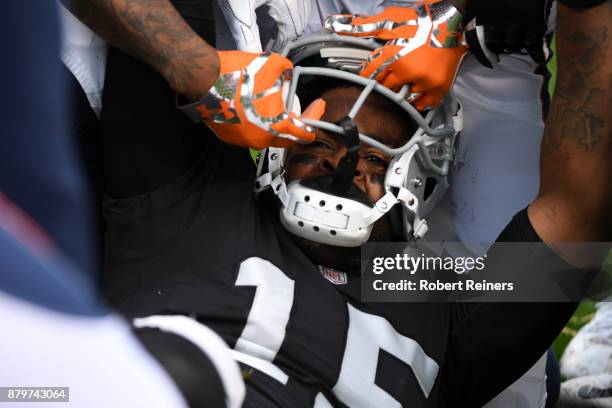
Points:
[(424, 47), (245, 105)]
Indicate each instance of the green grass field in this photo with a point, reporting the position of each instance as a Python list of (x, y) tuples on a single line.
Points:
[(583, 315)]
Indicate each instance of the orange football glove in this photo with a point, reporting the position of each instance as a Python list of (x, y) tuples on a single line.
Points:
[(424, 47), (245, 105)]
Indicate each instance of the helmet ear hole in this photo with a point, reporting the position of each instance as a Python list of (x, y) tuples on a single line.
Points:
[(430, 186)]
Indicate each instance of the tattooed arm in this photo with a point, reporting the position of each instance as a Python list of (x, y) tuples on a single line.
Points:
[(574, 202), (154, 32)]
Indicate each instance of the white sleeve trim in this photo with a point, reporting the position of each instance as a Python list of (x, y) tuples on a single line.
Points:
[(211, 344)]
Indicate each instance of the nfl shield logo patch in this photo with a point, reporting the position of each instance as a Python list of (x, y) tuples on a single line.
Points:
[(334, 276)]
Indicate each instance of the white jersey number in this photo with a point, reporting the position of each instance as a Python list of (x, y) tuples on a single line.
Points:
[(367, 334), (264, 331)]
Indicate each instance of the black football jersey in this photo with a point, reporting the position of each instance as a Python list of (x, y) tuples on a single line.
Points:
[(205, 247), (190, 238)]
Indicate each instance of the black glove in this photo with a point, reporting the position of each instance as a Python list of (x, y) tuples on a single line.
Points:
[(507, 26)]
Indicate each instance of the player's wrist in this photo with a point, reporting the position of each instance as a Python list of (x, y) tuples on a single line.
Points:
[(192, 78)]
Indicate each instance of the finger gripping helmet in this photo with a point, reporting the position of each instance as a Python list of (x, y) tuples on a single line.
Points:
[(332, 210)]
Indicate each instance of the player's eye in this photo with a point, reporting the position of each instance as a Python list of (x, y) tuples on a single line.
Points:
[(376, 159), (320, 144)]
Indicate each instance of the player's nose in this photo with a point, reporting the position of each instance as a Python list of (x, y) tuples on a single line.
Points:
[(330, 163)]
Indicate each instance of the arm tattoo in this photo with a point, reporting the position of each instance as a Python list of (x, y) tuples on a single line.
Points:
[(579, 113), (573, 204), (153, 31)]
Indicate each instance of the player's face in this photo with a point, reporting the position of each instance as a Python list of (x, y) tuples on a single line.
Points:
[(323, 156)]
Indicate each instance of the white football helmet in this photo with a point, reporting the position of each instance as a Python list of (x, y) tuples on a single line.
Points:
[(416, 178)]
